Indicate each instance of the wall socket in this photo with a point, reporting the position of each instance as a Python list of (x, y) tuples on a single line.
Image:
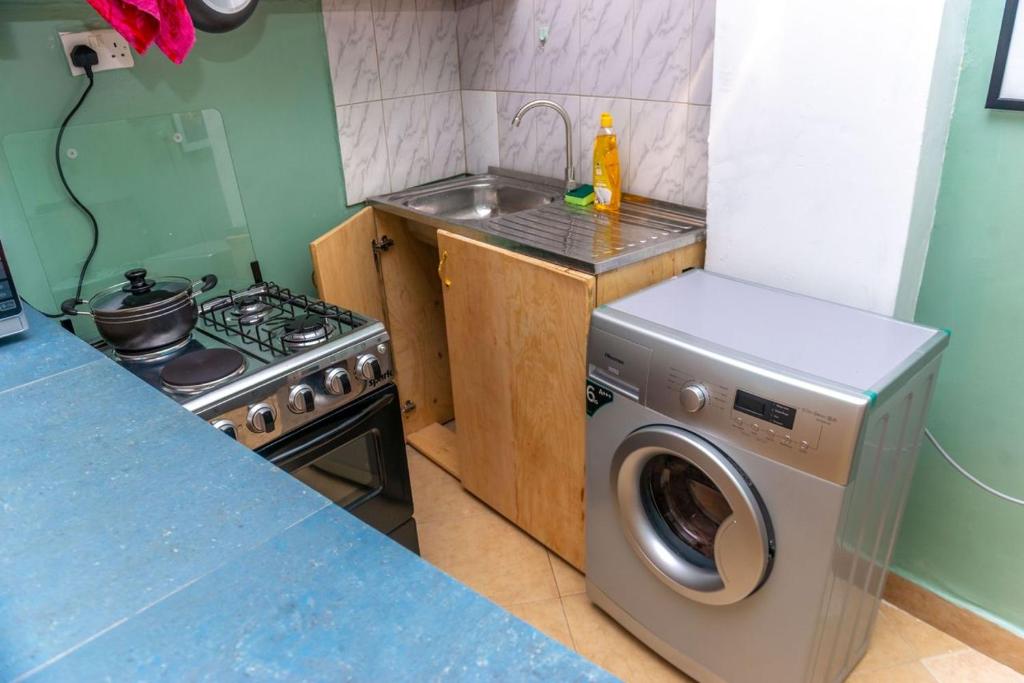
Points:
[(111, 48)]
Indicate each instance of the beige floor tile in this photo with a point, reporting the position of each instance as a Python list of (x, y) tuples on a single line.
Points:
[(569, 580), (913, 672), (436, 494), (599, 638), (547, 617), (887, 648), (489, 555), (926, 640), (970, 666)]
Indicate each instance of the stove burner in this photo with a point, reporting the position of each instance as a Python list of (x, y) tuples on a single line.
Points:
[(250, 309), (269, 331), (201, 370), (153, 355), (305, 331)]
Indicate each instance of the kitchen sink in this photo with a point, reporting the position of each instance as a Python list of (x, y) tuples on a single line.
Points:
[(526, 214), (478, 198)]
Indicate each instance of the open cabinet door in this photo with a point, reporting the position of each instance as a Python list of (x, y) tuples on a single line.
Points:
[(345, 268), (408, 269)]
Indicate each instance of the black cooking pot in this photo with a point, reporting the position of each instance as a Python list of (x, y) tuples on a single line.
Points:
[(143, 315)]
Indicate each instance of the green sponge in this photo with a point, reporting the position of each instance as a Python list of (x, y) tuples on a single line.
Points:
[(581, 196)]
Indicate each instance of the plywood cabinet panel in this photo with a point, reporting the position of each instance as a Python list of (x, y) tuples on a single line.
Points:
[(415, 320), (344, 268), (632, 278), (517, 327)]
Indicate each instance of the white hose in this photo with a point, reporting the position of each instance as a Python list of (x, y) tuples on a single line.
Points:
[(974, 480)]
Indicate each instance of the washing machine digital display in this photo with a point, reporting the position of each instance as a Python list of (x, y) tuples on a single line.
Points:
[(776, 413)]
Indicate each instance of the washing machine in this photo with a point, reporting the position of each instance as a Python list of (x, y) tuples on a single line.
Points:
[(749, 454)]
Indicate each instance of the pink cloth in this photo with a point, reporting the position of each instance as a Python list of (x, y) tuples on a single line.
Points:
[(142, 22)]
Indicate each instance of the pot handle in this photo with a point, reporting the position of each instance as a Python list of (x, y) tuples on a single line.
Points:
[(70, 307), (207, 283)]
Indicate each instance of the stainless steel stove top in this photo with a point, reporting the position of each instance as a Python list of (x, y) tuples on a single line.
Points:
[(265, 361)]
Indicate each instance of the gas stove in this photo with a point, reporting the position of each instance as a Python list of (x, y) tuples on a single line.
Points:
[(307, 385), (265, 361)]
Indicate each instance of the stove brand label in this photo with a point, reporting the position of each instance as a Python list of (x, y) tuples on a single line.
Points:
[(387, 376), (597, 396)]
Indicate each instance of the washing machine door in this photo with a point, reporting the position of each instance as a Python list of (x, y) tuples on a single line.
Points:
[(691, 515)]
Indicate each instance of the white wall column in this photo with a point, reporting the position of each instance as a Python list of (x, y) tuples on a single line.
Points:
[(828, 129)]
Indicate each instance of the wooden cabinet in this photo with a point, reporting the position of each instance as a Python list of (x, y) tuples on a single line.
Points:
[(517, 332), (500, 346), (386, 267)]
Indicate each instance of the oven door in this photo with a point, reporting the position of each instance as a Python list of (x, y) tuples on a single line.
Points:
[(356, 457)]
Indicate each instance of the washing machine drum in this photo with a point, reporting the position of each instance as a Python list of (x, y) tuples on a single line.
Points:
[(691, 515)]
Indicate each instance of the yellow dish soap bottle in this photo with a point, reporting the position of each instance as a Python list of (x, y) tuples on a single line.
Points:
[(607, 181)]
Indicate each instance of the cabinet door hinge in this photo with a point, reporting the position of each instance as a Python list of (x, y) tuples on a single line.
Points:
[(383, 244)]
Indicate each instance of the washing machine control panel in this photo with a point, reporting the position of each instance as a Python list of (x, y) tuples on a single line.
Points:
[(731, 401), (770, 411)]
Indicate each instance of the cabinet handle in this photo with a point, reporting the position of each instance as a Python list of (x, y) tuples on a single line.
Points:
[(441, 269)]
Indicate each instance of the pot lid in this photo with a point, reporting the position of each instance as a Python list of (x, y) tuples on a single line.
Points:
[(138, 292)]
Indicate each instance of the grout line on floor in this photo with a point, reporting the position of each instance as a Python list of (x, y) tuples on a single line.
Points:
[(568, 626)]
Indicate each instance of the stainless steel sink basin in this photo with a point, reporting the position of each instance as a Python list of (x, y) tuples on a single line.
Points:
[(478, 198)]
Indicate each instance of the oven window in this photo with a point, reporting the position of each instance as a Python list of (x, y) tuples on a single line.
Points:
[(347, 473)]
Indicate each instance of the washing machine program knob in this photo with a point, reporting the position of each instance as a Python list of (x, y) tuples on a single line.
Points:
[(693, 396)]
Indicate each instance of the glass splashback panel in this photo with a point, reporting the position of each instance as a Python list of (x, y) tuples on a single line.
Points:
[(163, 190)]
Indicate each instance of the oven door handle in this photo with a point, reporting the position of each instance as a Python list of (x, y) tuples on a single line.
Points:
[(350, 423)]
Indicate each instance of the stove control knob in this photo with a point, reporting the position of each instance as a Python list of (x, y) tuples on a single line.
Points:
[(337, 382), (300, 399), (694, 396), (262, 418), (226, 426), (368, 368)]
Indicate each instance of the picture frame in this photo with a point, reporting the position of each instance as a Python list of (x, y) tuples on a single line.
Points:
[(1006, 87)]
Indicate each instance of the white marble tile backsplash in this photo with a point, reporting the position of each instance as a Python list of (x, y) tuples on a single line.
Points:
[(398, 53), (517, 145), (657, 149), (445, 136), (695, 181), (476, 44), (439, 45), (353, 60), (405, 120), (606, 56), (447, 76), (644, 61), (395, 74), (514, 45), (557, 64), (662, 35), (364, 151), (480, 124)]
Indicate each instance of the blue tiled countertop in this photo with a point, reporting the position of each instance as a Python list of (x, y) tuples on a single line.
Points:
[(138, 543)]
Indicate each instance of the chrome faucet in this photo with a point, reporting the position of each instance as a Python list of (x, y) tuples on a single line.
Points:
[(570, 167)]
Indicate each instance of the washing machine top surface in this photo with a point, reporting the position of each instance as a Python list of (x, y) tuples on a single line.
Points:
[(838, 343)]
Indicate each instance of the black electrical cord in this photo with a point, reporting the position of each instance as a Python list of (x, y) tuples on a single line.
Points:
[(71, 193)]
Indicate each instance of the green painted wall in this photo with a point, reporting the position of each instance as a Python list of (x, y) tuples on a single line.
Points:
[(270, 83), (956, 539)]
